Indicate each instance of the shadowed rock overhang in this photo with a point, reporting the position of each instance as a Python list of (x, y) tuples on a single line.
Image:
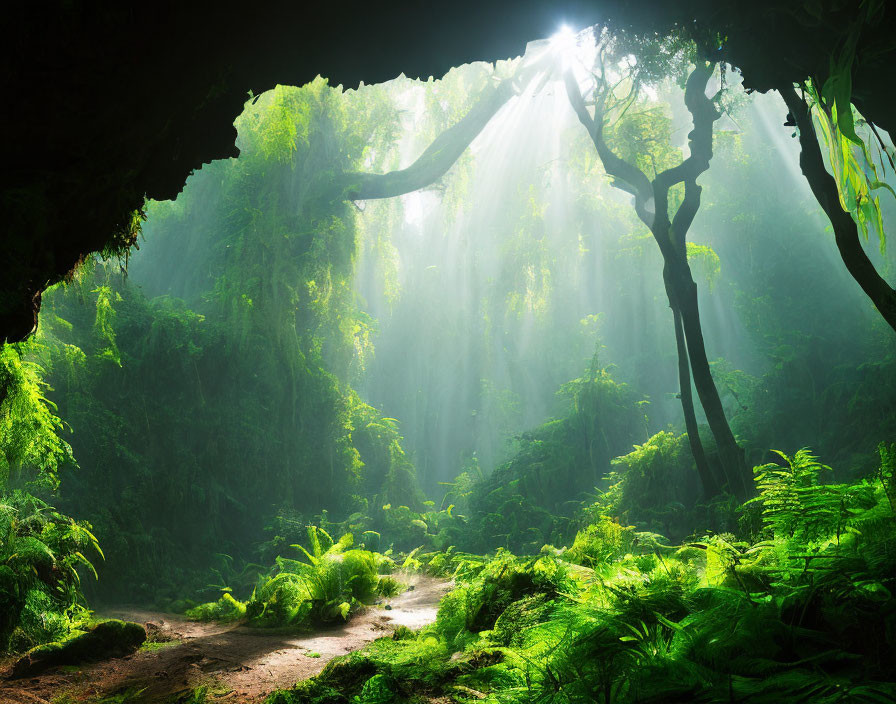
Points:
[(109, 103)]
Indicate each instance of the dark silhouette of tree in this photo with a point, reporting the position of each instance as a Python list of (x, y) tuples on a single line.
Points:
[(652, 205)]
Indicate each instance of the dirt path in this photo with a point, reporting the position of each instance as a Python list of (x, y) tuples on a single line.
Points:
[(239, 664)]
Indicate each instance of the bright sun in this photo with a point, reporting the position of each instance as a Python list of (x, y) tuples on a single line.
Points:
[(564, 36)]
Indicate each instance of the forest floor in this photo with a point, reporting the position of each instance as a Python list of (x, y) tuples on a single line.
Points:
[(235, 662)]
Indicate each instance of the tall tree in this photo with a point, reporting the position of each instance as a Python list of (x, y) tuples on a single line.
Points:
[(837, 52), (652, 205)]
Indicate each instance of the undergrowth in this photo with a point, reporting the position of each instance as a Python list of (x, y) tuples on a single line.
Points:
[(797, 607), (329, 583), (41, 551)]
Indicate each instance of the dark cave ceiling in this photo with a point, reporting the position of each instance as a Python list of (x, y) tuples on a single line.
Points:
[(108, 103)]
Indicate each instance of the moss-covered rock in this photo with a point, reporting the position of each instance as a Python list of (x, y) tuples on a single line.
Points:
[(108, 639), (335, 685), (520, 615)]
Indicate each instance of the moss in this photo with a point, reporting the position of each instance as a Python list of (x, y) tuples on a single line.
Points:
[(377, 690), (152, 646), (403, 633), (508, 579), (520, 615), (107, 639), (224, 609), (341, 677)]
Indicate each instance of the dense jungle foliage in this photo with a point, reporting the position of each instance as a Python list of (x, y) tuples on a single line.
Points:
[(796, 607), (287, 400)]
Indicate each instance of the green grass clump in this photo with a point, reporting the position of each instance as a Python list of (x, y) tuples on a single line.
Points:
[(389, 587), (227, 608)]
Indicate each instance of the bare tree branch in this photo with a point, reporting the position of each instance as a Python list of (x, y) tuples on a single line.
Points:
[(627, 177)]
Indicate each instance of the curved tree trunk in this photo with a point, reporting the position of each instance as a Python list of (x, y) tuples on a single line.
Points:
[(846, 232), (670, 236), (445, 149)]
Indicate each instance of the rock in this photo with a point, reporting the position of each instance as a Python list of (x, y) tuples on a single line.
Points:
[(109, 639)]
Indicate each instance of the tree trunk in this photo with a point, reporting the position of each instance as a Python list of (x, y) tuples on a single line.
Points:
[(707, 477), (731, 455), (444, 151), (846, 232)]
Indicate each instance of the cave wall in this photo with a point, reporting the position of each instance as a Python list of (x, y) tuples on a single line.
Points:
[(109, 102)]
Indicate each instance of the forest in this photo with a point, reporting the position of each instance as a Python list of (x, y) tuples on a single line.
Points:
[(566, 378)]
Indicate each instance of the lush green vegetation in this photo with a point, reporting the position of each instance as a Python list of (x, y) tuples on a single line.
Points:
[(41, 549), (796, 607), (331, 582)]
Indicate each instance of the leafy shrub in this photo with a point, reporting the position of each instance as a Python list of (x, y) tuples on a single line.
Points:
[(31, 447), (796, 504), (503, 580), (599, 542), (653, 486), (332, 582), (41, 552)]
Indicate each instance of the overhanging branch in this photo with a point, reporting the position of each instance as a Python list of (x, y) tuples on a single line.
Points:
[(846, 232), (433, 163)]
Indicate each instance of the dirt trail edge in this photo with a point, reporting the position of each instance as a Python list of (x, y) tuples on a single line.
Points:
[(238, 663)]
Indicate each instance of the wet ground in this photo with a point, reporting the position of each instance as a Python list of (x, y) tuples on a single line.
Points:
[(237, 663)]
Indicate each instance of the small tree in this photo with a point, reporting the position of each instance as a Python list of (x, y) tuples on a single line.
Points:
[(668, 215)]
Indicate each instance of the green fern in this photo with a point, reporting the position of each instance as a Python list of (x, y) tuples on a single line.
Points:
[(795, 504)]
